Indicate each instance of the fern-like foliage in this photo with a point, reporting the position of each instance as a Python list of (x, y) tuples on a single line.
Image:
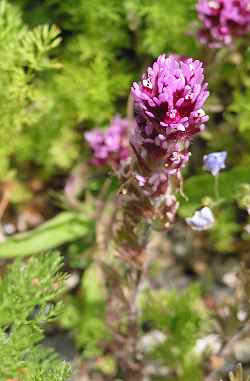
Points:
[(24, 56), (28, 299)]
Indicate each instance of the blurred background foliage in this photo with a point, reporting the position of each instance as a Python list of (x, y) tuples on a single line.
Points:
[(66, 67)]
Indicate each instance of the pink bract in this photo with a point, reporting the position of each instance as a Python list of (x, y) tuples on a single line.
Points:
[(171, 96)]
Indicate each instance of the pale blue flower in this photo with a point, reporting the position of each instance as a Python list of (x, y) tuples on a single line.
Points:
[(202, 219), (214, 162)]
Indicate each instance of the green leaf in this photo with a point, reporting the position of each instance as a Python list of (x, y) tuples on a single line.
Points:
[(198, 187), (65, 227)]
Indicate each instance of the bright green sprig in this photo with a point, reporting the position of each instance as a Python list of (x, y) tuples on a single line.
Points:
[(29, 293)]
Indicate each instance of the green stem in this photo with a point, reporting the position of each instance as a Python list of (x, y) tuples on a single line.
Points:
[(216, 187)]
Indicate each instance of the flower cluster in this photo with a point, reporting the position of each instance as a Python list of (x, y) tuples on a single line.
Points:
[(169, 112), (222, 20), (111, 146)]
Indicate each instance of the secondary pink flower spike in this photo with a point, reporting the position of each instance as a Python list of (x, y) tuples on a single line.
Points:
[(223, 20), (110, 146)]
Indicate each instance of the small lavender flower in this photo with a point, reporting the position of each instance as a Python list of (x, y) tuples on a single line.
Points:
[(214, 162), (202, 219), (223, 20), (110, 146)]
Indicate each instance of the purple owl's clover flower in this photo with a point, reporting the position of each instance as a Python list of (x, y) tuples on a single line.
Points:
[(223, 20), (170, 100), (111, 146), (215, 162), (168, 107), (169, 112)]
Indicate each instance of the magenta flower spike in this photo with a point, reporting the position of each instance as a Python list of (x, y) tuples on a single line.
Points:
[(168, 105), (223, 20), (169, 111)]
